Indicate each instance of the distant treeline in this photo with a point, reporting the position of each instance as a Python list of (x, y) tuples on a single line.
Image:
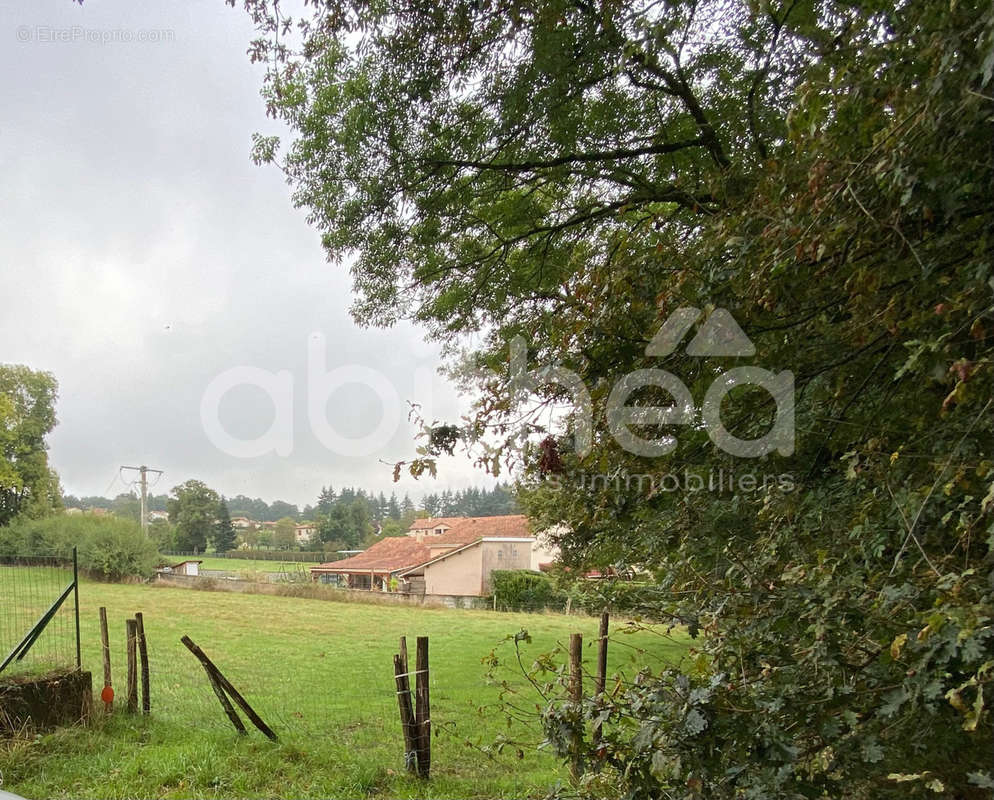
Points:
[(472, 502)]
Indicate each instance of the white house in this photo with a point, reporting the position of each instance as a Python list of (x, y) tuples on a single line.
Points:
[(305, 532)]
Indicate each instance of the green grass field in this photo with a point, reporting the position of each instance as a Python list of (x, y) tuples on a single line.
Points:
[(320, 673), (240, 565)]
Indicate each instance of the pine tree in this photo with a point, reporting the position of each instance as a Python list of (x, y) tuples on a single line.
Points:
[(393, 507), (326, 500), (223, 536)]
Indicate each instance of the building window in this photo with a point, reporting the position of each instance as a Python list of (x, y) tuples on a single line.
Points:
[(438, 531), (500, 555)]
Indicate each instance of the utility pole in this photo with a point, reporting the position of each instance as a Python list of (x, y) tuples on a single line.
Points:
[(143, 480)]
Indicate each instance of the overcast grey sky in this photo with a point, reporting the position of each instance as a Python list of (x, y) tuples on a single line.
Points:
[(143, 254)]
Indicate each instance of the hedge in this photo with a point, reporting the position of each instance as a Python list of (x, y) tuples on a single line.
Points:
[(108, 547)]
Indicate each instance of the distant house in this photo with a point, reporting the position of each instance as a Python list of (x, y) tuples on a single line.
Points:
[(156, 515), (243, 523), (376, 567), (304, 532), (433, 526), (461, 560), (458, 561)]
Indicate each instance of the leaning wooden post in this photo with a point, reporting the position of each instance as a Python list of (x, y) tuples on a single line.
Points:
[(225, 703), (601, 670), (422, 711), (132, 627), (221, 696), (107, 696), (406, 714), (143, 658), (576, 698), (225, 684)]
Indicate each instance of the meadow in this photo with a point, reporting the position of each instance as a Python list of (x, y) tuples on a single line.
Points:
[(320, 673), (249, 568)]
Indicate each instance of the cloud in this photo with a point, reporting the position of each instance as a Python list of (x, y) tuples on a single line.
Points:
[(144, 254)]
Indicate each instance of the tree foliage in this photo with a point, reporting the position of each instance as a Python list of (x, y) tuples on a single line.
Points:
[(471, 502), (574, 173), (108, 547), (193, 509), (284, 534), (524, 590), (27, 416), (223, 536)]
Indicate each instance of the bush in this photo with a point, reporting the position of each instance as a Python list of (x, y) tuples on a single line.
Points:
[(617, 596), (108, 548), (521, 589)]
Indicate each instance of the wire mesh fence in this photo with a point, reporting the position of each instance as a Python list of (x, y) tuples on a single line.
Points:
[(29, 588), (321, 675), (288, 692), (302, 685)]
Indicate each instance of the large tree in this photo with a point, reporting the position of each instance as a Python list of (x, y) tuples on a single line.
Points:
[(586, 175), (193, 509), (27, 416)]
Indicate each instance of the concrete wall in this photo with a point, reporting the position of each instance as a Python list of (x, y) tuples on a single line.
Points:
[(458, 574), (468, 571), (543, 552), (504, 555)]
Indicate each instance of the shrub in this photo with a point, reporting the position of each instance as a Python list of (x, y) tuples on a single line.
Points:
[(616, 596), (522, 589), (108, 548)]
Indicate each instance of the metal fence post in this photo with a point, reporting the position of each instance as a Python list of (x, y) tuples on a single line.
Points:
[(75, 594)]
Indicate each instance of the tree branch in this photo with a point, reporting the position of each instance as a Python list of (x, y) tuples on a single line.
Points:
[(618, 154)]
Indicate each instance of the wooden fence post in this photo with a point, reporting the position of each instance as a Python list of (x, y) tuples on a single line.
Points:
[(403, 652), (601, 670), (423, 708), (575, 673), (131, 627), (143, 658), (105, 646), (576, 698), (406, 713)]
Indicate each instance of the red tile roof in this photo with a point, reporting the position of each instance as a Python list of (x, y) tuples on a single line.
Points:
[(469, 530), (430, 523), (387, 555)]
